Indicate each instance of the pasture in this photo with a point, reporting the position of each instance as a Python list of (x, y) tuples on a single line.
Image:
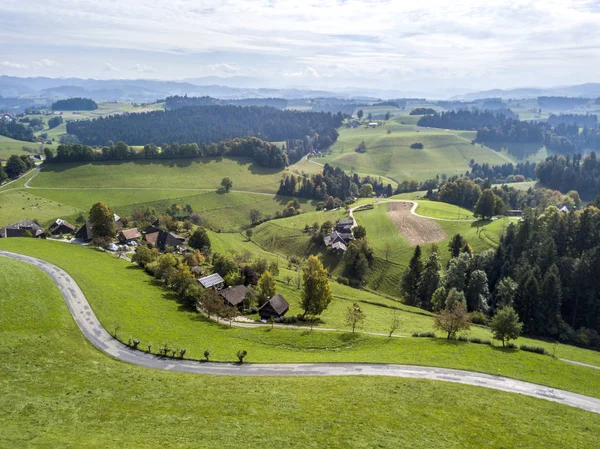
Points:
[(125, 298), (58, 389), (389, 153)]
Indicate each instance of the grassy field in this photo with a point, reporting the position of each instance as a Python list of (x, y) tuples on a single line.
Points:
[(389, 154), (125, 296), (57, 389), (62, 190), (9, 146)]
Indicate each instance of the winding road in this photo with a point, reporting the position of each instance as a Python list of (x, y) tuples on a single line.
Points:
[(101, 339)]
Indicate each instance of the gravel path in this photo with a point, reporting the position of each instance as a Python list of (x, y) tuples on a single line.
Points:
[(101, 339)]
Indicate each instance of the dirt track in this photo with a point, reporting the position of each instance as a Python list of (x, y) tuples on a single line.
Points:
[(416, 229)]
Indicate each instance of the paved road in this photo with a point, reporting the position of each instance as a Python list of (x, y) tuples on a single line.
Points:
[(101, 339)]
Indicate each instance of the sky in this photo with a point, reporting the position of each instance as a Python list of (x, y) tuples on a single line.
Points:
[(394, 44)]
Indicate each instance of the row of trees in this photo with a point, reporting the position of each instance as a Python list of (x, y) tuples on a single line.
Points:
[(203, 124), (332, 182), (16, 131), (264, 153)]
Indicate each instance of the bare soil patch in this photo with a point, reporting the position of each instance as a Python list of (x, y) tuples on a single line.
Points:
[(417, 230)]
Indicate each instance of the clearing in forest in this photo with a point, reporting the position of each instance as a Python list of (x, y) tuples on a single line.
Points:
[(417, 230)]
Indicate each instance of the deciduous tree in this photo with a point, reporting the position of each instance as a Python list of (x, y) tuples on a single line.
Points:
[(506, 325), (316, 294), (453, 320)]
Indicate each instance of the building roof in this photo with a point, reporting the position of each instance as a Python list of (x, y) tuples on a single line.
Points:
[(211, 280), (234, 295), (152, 237), (130, 234), (19, 229), (61, 223), (340, 246), (197, 269), (345, 222), (278, 304), (332, 238), (161, 239)]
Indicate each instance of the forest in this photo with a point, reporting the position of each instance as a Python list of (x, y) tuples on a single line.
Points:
[(571, 173), (463, 120), (561, 102), (217, 123), (580, 120), (546, 266), (16, 131), (176, 102), (75, 104), (263, 153)]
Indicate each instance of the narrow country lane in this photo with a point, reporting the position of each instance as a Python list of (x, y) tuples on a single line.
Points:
[(101, 339)]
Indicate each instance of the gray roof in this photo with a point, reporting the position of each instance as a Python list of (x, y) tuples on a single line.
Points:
[(278, 304), (211, 280), (234, 295), (19, 228), (345, 222), (339, 246)]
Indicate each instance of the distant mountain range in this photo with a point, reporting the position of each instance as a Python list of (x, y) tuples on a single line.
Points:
[(589, 90), (43, 90)]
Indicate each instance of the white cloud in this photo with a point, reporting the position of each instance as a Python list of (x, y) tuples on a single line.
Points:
[(108, 67), (308, 72), (12, 65), (224, 67), (44, 63), (141, 68)]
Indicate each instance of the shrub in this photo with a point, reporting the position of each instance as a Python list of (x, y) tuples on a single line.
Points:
[(287, 320), (479, 318), (417, 146), (536, 349), (241, 355), (182, 352), (342, 280), (511, 346), (479, 341), (206, 354), (424, 334)]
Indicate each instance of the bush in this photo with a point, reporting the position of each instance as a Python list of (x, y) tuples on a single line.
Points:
[(511, 346), (424, 334), (536, 349), (241, 355), (416, 146), (479, 341), (342, 280), (479, 318), (287, 320)]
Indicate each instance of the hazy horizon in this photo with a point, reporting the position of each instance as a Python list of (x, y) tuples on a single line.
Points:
[(320, 45)]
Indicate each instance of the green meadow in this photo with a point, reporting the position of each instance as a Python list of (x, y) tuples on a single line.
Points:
[(389, 153), (59, 391)]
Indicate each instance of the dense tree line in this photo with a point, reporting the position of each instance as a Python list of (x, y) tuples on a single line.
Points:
[(580, 120), (568, 139), (332, 182), (264, 153), (561, 102), (297, 148), (511, 130), (397, 103), (497, 174), (462, 120), (203, 124), (176, 102), (547, 267), (577, 173), (55, 121), (75, 104), (422, 111), (16, 131)]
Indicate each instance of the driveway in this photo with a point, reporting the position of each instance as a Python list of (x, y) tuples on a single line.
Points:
[(101, 339)]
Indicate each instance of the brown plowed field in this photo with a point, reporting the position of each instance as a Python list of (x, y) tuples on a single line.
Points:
[(417, 230)]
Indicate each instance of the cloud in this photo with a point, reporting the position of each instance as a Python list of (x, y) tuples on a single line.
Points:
[(141, 68), (12, 65), (224, 67), (44, 63), (108, 67), (308, 72)]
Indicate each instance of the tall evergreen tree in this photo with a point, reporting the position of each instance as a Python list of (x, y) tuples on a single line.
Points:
[(409, 284), (430, 278), (551, 295)]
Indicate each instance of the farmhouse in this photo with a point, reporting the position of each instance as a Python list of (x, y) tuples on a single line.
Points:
[(339, 247), (373, 125), (162, 239), (214, 281), (86, 232), (234, 296), (276, 307), (338, 240), (22, 228), (128, 236), (61, 226)]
